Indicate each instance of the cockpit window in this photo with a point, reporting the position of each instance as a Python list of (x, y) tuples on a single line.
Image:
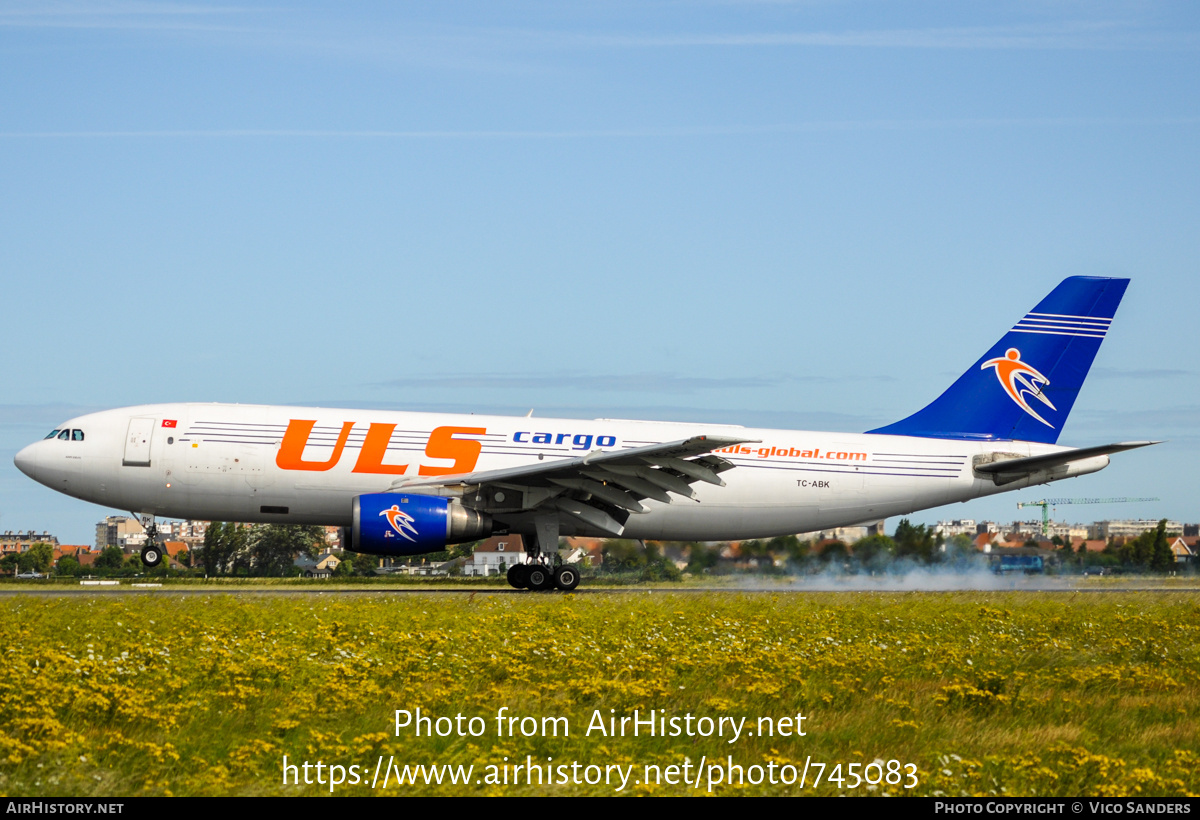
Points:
[(65, 435), (76, 435), (52, 434)]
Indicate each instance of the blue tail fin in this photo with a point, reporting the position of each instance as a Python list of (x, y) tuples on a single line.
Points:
[(1024, 387)]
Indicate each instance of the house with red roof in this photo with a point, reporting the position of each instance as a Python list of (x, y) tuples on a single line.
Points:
[(1184, 547)]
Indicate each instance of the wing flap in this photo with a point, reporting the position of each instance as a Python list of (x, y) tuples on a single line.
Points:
[(693, 469), (632, 484), (608, 492), (590, 515), (667, 481)]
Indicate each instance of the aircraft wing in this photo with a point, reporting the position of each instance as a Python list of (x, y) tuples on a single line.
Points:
[(601, 488)]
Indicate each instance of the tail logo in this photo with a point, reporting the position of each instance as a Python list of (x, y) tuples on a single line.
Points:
[(401, 522), (1020, 380)]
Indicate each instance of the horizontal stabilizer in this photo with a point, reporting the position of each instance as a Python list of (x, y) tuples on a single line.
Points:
[(1034, 463)]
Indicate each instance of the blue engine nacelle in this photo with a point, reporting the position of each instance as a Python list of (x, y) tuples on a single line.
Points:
[(409, 524)]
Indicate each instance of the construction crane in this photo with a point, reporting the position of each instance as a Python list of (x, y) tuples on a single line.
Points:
[(1047, 503)]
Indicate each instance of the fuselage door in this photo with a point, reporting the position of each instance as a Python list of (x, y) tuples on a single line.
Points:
[(137, 442)]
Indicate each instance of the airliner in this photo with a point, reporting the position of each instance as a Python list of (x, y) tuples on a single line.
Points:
[(402, 483)]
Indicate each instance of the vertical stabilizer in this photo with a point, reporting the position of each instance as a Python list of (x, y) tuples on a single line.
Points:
[(1023, 388)]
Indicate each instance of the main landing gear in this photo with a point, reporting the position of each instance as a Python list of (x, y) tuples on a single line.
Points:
[(540, 577), (544, 569), (152, 553)]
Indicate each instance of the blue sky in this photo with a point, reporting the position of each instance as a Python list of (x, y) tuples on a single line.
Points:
[(791, 214)]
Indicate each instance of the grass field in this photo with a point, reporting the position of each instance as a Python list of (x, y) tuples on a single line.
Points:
[(1017, 693)]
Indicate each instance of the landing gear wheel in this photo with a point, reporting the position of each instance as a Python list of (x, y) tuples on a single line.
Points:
[(151, 555), (518, 576), (566, 577), (540, 578)]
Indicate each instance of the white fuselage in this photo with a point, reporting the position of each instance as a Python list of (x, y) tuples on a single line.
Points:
[(305, 465)]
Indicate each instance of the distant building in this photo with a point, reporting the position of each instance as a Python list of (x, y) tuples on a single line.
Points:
[(428, 567), (189, 532), (1064, 531), (1128, 528), (986, 540), (75, 551), (949, 529), (494, 553), (1091, 545), (593, 549), (175, 550), (134, 542), (847, 535), (1184, 549), (21, 541), (333, 538), (128, 533), (1027, 530), (322, 566), (115, 529)]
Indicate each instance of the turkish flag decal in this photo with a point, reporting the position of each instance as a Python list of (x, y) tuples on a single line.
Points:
[(168, 422)]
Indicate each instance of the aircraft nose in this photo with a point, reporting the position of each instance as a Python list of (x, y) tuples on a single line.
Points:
[(27, 460)]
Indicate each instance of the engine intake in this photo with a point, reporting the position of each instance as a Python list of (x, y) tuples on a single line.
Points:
[(410, 524)]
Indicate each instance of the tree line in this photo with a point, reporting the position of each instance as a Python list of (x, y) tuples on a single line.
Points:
[(909, 544), (270, 550)]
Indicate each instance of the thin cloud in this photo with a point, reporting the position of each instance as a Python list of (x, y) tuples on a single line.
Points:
[(606, 133), (292, 27), (1184, 418), (1139, 373), (1070, 35), (636, 383), (1177, 424), (23, 414), (382, 134), (123, 16), (684, 414), (631, 383)]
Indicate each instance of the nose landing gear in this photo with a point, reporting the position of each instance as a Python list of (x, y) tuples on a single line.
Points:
[(152, 553)]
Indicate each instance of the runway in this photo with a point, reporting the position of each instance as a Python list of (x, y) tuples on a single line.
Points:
[(171, 589)]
